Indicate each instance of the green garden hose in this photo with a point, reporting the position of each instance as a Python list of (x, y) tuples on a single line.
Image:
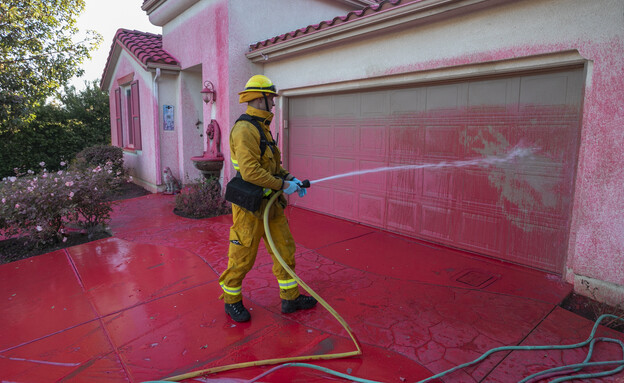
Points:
[(540, 375), (292, 361)]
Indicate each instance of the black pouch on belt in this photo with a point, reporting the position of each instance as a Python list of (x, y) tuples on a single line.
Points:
[(244, 194)]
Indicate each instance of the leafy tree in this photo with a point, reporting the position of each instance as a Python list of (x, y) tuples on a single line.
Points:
[(58, 132), (90, 106), (37, 54)]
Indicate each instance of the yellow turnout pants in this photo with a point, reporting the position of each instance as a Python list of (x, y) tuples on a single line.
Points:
[(245, 235)]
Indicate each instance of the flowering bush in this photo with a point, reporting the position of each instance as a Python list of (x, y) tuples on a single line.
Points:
[(100, 155), (202, 200), (41, 206)]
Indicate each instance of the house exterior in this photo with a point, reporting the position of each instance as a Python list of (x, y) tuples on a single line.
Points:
[(435, 87)]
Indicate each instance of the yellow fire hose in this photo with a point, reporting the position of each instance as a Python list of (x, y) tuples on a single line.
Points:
[(307, 288)]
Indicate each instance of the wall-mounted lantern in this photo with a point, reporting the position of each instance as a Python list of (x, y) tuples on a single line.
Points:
[(208, 93)]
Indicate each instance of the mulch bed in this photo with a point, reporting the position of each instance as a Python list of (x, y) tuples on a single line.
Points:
[(592, 310), (15, 249)]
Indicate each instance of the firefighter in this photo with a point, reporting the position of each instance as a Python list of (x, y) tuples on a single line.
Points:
[(257, 160)]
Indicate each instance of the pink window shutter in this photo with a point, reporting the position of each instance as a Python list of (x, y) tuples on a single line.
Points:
[(136, 115), (118, 117)]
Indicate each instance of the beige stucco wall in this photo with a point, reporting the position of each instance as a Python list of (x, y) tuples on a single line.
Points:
[(508, 33)]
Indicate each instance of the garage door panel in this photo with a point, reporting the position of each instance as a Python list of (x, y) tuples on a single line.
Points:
[(319, 167), (345, 205), (372, 181), (374, 104), (442, 142), (479, 232), (435, 223), (371, 209), (408, 101), (493, 95), (316, 201), (346, 139), (301, 138), (533, 192), (321, 107), (551, 141), (482, 188), (550, 89), (484, 139), (532, 241), (321, 141), (404, 142), (445, 97), (517, 210), (373, 141), (407, 182), (346, 105), (402, 216), (438, 184)]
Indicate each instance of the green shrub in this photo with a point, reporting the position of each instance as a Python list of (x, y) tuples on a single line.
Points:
[(56, 131), (41, 206), (202, 200)]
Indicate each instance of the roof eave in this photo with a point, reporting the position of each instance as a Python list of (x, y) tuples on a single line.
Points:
[(409, 13), (117, 48)]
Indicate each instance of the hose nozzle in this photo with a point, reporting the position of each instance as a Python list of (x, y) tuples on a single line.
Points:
[(304, 184)]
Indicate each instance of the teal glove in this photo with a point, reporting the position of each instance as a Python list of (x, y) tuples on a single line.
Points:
[(302, 192), (292, 187)]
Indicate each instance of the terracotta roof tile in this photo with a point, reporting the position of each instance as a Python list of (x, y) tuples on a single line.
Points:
[(349, 17), (147, 47)]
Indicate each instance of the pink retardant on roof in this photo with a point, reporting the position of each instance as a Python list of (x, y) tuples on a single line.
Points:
[(147, 47), (349, 17)]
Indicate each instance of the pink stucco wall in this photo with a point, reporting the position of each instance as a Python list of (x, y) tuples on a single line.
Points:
[(200, 37), (140, 163)]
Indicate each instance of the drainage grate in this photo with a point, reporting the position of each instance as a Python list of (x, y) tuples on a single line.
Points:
[(476, 278)]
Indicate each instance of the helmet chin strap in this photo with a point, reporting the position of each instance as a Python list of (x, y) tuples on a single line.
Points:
[(266, 102)]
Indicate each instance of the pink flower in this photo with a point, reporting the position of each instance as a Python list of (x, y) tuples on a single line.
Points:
[(60, 172), (64, 239), (71, 195), (42, 164), (39, 228), (4, 200), (63, 163), (17, 205), (69, 183), (12, 179)]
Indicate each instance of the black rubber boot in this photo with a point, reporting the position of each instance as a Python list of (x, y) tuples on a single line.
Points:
[(237, 311), (302, 302)]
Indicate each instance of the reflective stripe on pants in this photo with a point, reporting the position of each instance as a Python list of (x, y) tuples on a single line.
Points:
[(245, 235)]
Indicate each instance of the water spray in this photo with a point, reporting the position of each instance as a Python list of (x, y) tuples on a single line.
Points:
[(516, 153)]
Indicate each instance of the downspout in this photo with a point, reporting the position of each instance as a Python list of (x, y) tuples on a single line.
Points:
[(157, 128)]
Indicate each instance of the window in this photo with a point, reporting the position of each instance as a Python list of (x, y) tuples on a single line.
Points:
[(128, 116)]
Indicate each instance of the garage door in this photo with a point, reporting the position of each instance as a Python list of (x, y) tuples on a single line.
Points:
[(518, 210)]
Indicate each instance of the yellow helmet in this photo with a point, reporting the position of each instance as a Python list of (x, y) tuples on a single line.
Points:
[(259, 83)]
